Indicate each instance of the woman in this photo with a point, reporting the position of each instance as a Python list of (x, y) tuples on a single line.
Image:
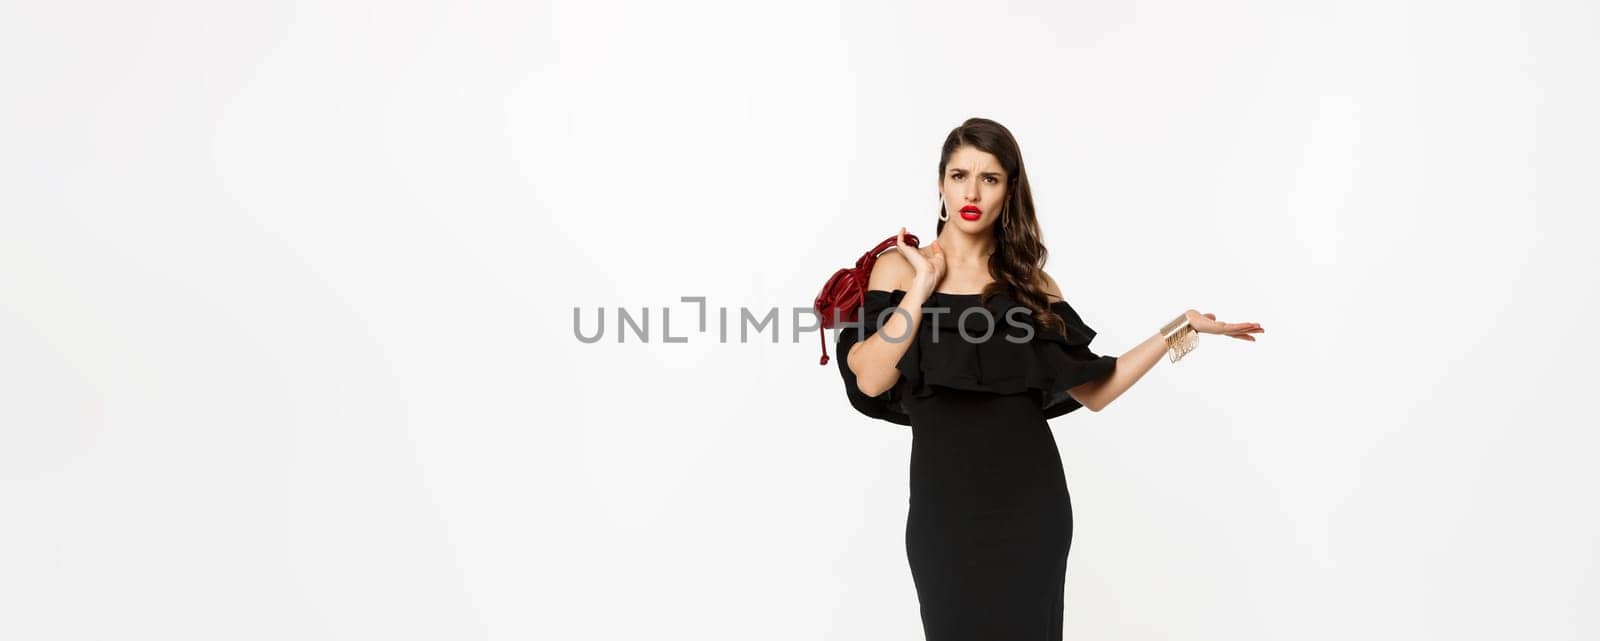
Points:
[(971, 343)]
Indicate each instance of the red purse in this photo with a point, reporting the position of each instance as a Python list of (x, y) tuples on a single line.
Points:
[(840, 300)]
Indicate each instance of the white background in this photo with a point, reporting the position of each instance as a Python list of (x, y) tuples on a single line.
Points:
[(287, 292)]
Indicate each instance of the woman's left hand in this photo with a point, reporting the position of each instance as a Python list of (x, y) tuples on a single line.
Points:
[(1208, 324)]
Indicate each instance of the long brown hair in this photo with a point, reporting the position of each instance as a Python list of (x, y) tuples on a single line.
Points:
[(1017, 263)]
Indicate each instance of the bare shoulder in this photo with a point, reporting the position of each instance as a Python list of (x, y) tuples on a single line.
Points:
[(891, 272), (1050, 287)]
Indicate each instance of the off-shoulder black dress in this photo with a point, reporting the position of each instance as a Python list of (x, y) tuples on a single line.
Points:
[(990, 521)]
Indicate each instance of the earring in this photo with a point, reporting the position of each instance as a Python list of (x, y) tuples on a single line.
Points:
[(943, 213)]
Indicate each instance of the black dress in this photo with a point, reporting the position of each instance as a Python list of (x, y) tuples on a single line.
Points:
[(990, 521)]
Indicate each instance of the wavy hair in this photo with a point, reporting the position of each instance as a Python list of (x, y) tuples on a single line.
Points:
[(1017, 263)]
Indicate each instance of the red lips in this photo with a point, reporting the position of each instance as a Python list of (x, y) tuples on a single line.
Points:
[(971, 212)]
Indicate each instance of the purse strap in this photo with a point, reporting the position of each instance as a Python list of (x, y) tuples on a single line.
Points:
[(871, 256)]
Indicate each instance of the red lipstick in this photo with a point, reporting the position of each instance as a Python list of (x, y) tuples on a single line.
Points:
[(971, 212)]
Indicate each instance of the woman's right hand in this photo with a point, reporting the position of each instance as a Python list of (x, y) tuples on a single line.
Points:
[(928, 261)]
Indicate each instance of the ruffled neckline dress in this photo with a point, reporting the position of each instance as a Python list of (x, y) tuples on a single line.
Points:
[(989, 522), (1047, 365)]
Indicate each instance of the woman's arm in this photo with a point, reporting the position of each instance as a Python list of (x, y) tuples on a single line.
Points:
[(1131, 366), (874, 360)]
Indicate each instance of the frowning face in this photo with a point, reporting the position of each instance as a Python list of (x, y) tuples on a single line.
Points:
[(974, 189)]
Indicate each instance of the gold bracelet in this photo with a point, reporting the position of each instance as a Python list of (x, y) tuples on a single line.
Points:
[(1181, 337)]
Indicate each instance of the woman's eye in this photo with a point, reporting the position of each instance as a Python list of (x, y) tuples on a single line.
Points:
[(993, 180)]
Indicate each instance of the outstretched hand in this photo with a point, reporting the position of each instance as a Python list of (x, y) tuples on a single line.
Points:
[(1208, 324)]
